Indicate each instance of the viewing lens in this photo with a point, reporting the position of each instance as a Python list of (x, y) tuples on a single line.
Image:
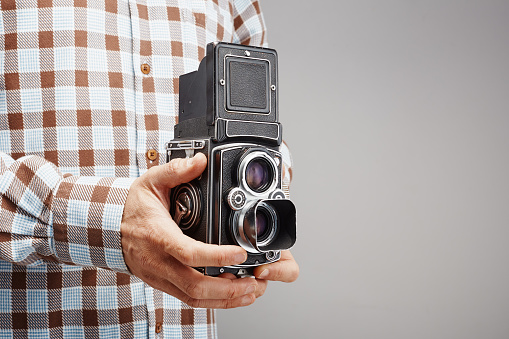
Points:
[(258, 175)]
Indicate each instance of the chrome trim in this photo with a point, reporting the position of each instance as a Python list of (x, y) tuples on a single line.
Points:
[(247, 238), (236, 199), (277, 256), (238, 229), (186, 144)]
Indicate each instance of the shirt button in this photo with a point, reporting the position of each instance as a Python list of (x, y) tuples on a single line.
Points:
[(145, 69), (159, 327), (151, 154)]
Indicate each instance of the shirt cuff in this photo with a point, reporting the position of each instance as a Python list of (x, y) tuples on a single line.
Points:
[(87, 212)]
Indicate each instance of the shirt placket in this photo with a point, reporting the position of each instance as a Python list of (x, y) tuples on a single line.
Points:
[(148, 145), (141, 69), (147, 126), (147, 152)]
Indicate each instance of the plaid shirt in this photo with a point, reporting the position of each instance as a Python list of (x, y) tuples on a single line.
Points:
[(78, 115)]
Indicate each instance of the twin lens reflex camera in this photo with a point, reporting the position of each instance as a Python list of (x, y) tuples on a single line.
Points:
[(228, 110)]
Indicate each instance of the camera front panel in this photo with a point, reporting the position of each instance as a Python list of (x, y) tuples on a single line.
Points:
[(247, 173), (253, 211), (237, 197)]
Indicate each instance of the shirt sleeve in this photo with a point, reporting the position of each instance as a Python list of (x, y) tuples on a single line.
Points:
[(48, 216), (248, 23)]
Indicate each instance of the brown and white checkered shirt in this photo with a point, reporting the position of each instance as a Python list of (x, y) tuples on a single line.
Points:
[(87, 89)]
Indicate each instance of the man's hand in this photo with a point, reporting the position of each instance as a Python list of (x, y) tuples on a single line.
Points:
[(285, 269), (156, 250)]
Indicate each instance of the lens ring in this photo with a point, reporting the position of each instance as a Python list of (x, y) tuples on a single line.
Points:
[(248, 233), (258, 173)]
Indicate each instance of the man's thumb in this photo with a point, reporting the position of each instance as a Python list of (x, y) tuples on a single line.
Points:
[(179, 171)]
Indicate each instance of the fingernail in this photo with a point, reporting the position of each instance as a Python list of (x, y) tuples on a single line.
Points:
[(251, 289), (240, 258), (190, 162), (264, 274), (246, 300)]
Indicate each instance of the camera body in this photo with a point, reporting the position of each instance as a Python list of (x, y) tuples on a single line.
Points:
[(228, 110)]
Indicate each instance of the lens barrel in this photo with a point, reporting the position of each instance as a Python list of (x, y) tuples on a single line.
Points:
[(257, 172), (265, 225)]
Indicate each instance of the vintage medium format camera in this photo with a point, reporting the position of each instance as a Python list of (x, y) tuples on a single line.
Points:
[(228, 110)]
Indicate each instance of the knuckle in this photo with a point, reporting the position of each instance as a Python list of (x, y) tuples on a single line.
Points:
[(190, 301), (226, 304), (173, 166), (232, 290), (194, 290)]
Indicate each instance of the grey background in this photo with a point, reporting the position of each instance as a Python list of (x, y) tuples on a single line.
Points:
[(397, 116)]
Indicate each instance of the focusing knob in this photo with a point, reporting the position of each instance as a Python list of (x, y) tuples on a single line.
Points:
[(236, 199), (185, 206)]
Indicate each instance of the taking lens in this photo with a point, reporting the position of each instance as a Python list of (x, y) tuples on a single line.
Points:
[(261, 225), (258, 174), (265, 225)]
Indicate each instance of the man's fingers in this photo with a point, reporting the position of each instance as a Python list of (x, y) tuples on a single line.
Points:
[(245, 300), (198, 286), (195, 286), (285, 269), (262, 286), (197, 254), (168, 287), (178, 171), (190, 282), (228, 276)]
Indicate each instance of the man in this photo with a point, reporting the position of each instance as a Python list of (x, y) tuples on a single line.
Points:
[(88, 98)]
